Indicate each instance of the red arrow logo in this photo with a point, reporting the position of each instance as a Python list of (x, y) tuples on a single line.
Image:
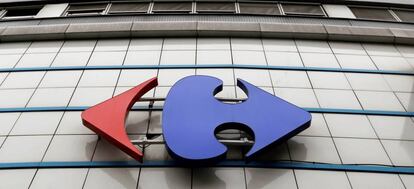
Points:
[(107, 119)]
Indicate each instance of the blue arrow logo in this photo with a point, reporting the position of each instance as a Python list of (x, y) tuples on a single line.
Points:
[(192, 115)]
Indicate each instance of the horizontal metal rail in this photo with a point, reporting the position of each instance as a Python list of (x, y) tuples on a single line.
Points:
[(207, 66), (241, 142)]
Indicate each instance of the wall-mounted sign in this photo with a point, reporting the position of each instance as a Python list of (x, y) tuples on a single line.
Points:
[(192, 116)]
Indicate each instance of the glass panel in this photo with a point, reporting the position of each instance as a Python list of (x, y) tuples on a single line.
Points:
[(128, 8), (372, 13), (86, 9), (22, 12), (216, 7), (405, 15), (296, 9), (259, 8), (172, 7)]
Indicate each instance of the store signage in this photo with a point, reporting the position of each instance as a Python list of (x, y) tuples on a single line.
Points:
[(192, 116)]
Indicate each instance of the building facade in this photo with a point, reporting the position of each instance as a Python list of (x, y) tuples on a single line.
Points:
[(350, 63)]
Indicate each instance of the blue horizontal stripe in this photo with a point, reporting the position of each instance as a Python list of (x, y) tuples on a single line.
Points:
[(159, 108), (212, 66), (227, 163)]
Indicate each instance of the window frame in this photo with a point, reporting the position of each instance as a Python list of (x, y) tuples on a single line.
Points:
[(375, 7), (276, 6), (172, 11), (393, 9), (218, 11), (4, 10), (103, 12), (127, 12), (283, 12)]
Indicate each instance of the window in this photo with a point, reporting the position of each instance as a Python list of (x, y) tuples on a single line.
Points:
[(86, 9), (303, 9), (119, 8), (259, 8), (2, 12), (219, 7), (21, 12), (176, 7), (372, 13), (405, 15)]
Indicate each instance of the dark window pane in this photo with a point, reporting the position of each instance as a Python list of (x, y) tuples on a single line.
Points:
[(405, 15), (172, 7), (22, 12), (296, 9), (128, 8), (215, 7), (256, 8), (87, 7), (372, 13)]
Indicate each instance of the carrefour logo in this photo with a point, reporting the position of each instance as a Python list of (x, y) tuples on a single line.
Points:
[(192, 116)]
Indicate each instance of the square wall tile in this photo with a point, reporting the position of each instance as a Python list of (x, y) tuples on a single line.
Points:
[(213, 44), (125, 178), (225, 75), (51, 97), (36, 60), (99, 78), (406, 50), (135, 77), (71, 123), (249, 58), (279, 45), (71, 59), (165, 178), (246, 44), (142, 58), (318, 127), (45, 47), (78, 46), (319, 60), (279, 152), (371, 82), (408, 180), (15, 97), (355, 61), (329, 99), (71, 148), (347, 48), (178, 58), (106, 151), (156, 152), (64, 178), (270, 178), (9, 60), (314, 149), (229, 178), (90, 96), (227, 92), (298, 79), (400, 152), (7, 121), (407, 100), (61, 79), (284, 59), (24, 148), (37, 123), (400, 83), (328, 80), (107, 58), (14, 47), (112, 45), (137, 122), (392, 127), (23, 80), (260, 78), (16, 178), (304, 98), (313, 46), (3, 76), (146, 44), (361, 151), (372, 100), (312, 179), (381, 49), (172, 44), (155, 122), (222, 57), (343, 125), (170, 77), (375, 180), (392, 63)]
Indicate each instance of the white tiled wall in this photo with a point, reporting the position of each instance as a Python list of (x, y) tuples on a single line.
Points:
[(332, 138)]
